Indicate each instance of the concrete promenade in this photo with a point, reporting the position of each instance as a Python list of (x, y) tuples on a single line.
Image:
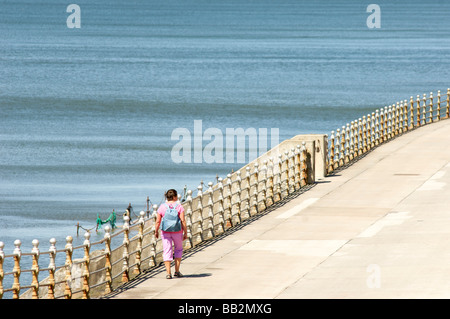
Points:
[(377, 229)]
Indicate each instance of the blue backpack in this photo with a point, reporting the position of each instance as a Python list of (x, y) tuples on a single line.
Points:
[(171, 222)]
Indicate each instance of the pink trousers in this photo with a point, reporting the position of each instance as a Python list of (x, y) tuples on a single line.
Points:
[(170, 252)]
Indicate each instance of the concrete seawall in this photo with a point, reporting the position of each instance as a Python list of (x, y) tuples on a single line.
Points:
[(377, 229)]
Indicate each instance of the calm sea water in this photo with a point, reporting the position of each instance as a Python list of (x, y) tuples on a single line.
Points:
[(86, 115)]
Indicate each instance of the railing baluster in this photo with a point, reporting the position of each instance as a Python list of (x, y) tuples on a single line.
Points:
[(2, 273), (337, 146), (347, 144), (332, 147), (126, 244), (304, 167), (342, 147), (271, 181), (200, 209), (424, 109), (140, 238), (86, 261), (210, 218), (411, 114), (108, 262), (35, 269), (430, 111), (68, 264), (237, 212), (17, 255), (447, 111), (221, 204), (229, 197), (188, 217), (438, 115), (51, 269), (405, 116), (153, 241)]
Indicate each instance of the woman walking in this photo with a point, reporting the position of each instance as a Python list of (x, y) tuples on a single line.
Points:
[(170, 217)]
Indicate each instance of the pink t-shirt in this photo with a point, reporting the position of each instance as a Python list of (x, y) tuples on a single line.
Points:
[(162, 210)]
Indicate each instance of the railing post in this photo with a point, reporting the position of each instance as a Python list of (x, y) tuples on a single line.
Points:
[(377, 128), (51, 269), (247, 190), (238, 193), (210, 205), (271, 180), (342, 148), (355, 140), (405, 116), (264, 170), (126, 244), (418, 120), (140, 238), (368, 135), (2, 274), (447, 111), (188, 216), (390, 120), (382, 128), (229, 207), (200, 209), (264, 183), (360, 137), (351, 144), (438, 117), (393, 117), (279, 175), (221, 202), (255, 189), (68, 264), (86, 259), (108, 263), (228, 215), (297, 167), (331, 162), (35, 270), (430, 115), (286, 172), (16, 270), (365, 137), (424, 109), (304, 167), (152, 261), (372, 130), (411, 116), (337, 146)]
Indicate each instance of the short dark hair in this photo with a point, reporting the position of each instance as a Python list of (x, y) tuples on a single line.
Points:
[(171, 194)]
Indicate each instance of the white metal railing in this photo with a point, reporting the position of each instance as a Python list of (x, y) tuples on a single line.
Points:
[(211, 212), (359, 136)]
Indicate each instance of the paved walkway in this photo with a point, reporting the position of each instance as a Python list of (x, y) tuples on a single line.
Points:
[(377, 229)]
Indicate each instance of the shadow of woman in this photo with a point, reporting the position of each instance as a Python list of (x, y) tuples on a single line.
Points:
[(197, 275)]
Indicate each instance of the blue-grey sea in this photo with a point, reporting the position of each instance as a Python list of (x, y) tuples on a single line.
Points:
[(87, 114)]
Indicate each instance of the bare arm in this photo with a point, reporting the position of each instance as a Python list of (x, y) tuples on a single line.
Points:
[(157, 223), (183, 225)]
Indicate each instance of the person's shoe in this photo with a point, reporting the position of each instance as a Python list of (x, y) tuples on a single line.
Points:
[(168, 276), (178, 274)]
